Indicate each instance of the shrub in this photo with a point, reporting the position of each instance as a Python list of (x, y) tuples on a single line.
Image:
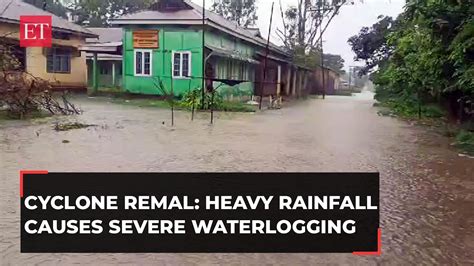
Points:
[(465, 141)]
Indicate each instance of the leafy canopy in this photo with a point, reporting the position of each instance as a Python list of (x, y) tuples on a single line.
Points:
[(242, 12)]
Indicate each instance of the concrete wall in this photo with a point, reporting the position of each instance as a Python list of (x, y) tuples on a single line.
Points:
[(36, 60), (331, 82)]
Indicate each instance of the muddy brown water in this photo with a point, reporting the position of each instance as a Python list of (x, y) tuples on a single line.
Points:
[(427, 190)]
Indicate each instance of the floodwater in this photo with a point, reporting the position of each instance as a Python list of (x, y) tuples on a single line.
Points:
[(427, 189)]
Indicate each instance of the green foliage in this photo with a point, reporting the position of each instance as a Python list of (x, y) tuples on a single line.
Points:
[(312, 59), (371, 44), (465, 141), (193, 98), (7, 60), (52, 6), (409, 108), (98, 13), (243, 12), (424, 56)]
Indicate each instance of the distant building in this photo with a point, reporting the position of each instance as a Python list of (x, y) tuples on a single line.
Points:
[(332, 81), (63, 65)]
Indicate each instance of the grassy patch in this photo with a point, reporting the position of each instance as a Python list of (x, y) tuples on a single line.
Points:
[(235, 107), (465, 141), (109, 92), (119, 97), (346, 92), (5, 115), (142, 102), (433, 116), (70, 126), (411, 110), (116, 95), (226, 106)]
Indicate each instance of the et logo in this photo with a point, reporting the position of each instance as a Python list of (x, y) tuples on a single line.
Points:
[(36, 31)]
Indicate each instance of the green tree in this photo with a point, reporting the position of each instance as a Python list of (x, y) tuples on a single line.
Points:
[(53, 6), (371, 44), (313, 60), (243, 12), (335, 62), (98, 13), (426, 56)]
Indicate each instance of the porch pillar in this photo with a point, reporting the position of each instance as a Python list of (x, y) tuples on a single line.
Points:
[(304, 81), (95, 74), (278, 82), (300, 83), (113, 74), (288, 81), (295, 76)]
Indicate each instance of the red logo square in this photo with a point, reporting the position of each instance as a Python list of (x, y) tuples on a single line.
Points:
[(36, 31)]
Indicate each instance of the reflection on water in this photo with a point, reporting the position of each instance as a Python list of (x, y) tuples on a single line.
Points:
[(426, 189)]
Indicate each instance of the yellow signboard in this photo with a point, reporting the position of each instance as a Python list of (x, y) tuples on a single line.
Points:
[(145, 39)]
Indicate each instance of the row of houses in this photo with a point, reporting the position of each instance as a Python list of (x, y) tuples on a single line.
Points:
[(163, 44)]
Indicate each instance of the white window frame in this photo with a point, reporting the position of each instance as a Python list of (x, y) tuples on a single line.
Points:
[(143, 51), (189, 53)]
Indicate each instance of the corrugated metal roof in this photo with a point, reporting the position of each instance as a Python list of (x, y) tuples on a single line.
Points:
[(11, 10), (231, 54), (104, 57), (194, 16), (106, 35), (255, 31), (190, 14)]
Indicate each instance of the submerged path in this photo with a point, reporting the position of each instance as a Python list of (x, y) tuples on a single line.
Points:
[(427, 190)]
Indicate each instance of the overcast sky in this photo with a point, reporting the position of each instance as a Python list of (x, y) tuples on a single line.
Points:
[(348, 23)]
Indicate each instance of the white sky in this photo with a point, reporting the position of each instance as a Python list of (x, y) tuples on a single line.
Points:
[(348, 23)]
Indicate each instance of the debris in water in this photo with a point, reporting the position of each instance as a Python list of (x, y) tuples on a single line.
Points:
[(386, 113), (465, 155), (70, 126)]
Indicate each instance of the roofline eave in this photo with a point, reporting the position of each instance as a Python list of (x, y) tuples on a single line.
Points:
[(193, 22), (80, 33)]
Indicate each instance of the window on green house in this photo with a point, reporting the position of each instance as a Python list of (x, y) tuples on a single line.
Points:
[(181, 64), (143, 59), (58, 60)]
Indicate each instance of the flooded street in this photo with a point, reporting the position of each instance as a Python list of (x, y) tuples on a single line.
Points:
[(427, 190)]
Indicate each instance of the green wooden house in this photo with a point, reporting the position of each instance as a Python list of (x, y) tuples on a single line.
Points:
[(165, 44)]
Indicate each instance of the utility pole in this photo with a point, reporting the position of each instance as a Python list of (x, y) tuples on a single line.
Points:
[(350, 77), (267, 50), (203, 92), (321, 11)]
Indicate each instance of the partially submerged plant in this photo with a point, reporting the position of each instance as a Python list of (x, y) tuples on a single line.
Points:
[(70, 126), (22, 94)]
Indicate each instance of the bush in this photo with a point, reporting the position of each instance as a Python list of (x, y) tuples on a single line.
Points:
[(409, 108), (465, 141), (25, 96), (194, 98)]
